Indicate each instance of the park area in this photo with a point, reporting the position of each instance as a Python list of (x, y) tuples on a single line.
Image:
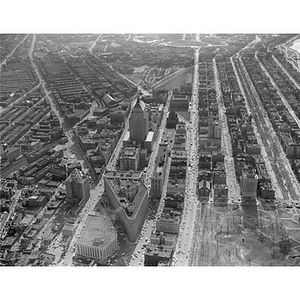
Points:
[(246, 236)]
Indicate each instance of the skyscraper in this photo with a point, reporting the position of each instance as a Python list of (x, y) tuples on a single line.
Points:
[(138, 122), (249, 182), (77, 187), (172, 119)]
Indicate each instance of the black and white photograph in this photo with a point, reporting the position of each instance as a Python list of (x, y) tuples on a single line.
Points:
[(146, 146)]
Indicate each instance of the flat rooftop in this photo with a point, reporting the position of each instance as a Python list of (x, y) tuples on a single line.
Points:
[(162, 251), (123, 174), (180, 97), (98, 231), (129, 151), (150, 136), (126, 136), (27, 219)]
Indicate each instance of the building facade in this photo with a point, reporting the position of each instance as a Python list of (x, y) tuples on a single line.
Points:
[(168, 223), (98, 239), (130, 158), (129, 199), (77, 187), (139, 122), (10, 153), (249, 180)]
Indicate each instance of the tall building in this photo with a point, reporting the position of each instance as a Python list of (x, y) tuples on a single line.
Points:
[(130, 158), (77, 187), (168, 222), (138, 122), (172, 119), (157, 180), (249, 180), (214, 129), (129, 198)]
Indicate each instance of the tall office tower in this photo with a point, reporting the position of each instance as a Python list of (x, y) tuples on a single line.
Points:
[(172, 119), (249, 182), (77, 187), (138, 122)]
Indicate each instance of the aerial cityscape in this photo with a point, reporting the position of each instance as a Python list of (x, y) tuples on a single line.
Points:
[(150, 150)]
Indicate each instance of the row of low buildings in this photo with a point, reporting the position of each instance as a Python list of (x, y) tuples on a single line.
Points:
[(135, 54), (48, 163), (172, 156), (12, 131), (47, 130), (280, 117), (209, 124), (23, 224), (33, 145), (280, 55), (212, 175), (14, 84), (75, 97), (288, 132), (37, 204), (244, 142)]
